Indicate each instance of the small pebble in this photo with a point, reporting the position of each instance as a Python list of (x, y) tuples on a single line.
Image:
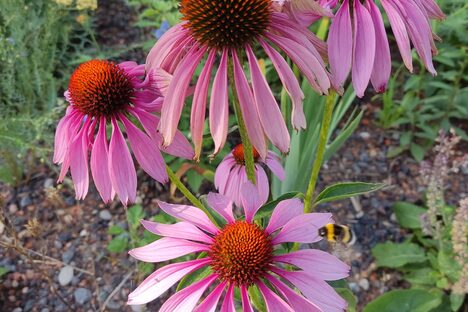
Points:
[(364, 284), (105, 215), (25, 201), (68, 255), (17, 310), (12, 208), (82, 295), (65, 275), (48, 183)]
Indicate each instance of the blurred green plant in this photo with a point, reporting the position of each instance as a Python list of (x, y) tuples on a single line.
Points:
[(434, 257), (428, 104)]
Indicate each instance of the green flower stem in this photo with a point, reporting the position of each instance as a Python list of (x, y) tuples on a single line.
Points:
[(192, 198), (247, 145), (326, 120)]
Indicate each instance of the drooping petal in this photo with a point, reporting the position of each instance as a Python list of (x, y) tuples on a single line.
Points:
[(210, 303), (223, 172), (61, 137), (161, 280), (166, 248), (340, 44), (197, 117), (363, 48), (296, 301), (246, 305), (382, 62), (100, 163), (316, 262), (268, 109), (228, 303), (190, 214), (273, 162), (219, 105), (146, 152), (285, 211), (79, 161), (399, 30), (262, 183), (186, 299), (251, 200), (184, 230), (303, 228), (222, 205), (174, 101), (433, 10), (316, 290), (273, 302), (170, 40), (249, 112), (290, 84), (236, 178)]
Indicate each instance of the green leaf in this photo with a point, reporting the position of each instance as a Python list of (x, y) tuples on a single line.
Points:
[(115, 230), (456, 301), (346, 190), (3, 271), (417, 152), (422, 277), (408, 215), (265, 210), (448, 265), (396, 255), (194, 277), (348, 295), (118, 244), (256, 297), (408, 300), (135, 215)]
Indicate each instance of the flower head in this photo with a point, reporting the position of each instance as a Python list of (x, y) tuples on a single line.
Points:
[(102, 93), (358, 41), (230, 29), (231, 173), (241, 254)]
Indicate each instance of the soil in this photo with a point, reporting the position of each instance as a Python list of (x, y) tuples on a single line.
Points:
[(74, 233)]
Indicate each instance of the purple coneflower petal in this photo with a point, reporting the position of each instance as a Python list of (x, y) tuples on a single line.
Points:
[(285, 211), (303, 228), (166, 248), (399, 30), (190, 214), (219, 105), (249, 112), (236, 177), (222, 205), (316, 262), (210, 303), (246, 305), (363, 48), (61, 137), (262, 184), (197, 117), (146, 152), (174, 101), (99, 163), (183, 230), (187, 298), (79, 162), (382, 63), (161, 280), (296, 301), (273, 302), (340, 44), (164, 46), (432, 9), (290, 84), (251, 200), (275, 166), (228, 303), (223, 173)]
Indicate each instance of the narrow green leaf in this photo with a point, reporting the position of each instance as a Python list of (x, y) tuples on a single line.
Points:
[(346, 190), (348, 295), (3, 271), (266, 209), (408, 215), (194, 277), (115, 230), (417, 152), (135, 214), (407, 300), (396, 255), (422, 277), (456, 301)]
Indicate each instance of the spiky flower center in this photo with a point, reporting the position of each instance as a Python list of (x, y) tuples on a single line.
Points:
[(100, 88), (238, 153), (226, 23), (241, 253)]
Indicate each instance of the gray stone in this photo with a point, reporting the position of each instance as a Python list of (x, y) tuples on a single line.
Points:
[(82, 295), (45, 310), (25, 201), (365, 135), (48, 183), (68, 255), (105, 215), (28, 305), (65, 275), (364, 284), (17, 310), (12, 208)]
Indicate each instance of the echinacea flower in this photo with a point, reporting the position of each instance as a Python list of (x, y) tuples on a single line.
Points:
[(102, 93), (358, 42), (232, 29), (239, 255), (231, 173)]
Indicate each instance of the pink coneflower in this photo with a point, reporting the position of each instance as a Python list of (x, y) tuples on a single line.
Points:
[(102, 93), (241, 254), (358, 42), (231, 173), (232, 29)]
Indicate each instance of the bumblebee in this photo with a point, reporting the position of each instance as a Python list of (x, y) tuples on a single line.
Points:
[(337, 233)]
